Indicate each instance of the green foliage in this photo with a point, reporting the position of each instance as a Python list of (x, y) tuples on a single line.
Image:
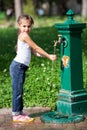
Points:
[(28, 7), (84, 52), (6, 4), (2, 15)]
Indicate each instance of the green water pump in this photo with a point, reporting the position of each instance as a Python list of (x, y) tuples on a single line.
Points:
[(72, 98)]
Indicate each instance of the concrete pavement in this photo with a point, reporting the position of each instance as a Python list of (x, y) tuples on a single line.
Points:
[(7, 124)]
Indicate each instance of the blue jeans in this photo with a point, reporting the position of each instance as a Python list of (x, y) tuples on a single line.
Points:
[(17, 72)]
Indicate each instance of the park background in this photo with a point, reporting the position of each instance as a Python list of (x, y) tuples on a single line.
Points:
[(43, 76)]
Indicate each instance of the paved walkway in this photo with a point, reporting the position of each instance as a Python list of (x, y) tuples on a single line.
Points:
[(7, 124)]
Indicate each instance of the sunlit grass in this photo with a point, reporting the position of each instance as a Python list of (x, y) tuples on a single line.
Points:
[(44, 21)]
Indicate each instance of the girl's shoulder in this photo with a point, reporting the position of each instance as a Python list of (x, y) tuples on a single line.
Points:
[(23, 36)]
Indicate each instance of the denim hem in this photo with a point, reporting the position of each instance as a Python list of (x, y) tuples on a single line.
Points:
[(16, 113)]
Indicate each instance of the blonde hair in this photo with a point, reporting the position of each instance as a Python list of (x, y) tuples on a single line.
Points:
[(25, 16)]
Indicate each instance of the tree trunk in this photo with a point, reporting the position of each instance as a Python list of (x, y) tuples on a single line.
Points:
[(84, 8), (18, 8)]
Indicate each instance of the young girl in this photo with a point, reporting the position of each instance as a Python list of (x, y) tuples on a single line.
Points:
[(20, 64)]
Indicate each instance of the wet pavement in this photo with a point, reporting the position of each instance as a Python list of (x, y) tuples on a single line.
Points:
[(7, 124)]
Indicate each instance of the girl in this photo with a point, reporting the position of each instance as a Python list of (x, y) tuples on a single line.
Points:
[(20, 64)]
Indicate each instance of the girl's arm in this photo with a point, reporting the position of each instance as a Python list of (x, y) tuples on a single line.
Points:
[(25, 37), (36, 53)]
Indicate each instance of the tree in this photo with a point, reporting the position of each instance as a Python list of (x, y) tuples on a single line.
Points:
[(84, 8), (18, 8)]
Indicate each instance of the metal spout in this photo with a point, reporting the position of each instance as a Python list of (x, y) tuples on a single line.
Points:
[(59, 40)]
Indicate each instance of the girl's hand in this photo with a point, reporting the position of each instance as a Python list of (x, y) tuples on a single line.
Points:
[(52, 57)]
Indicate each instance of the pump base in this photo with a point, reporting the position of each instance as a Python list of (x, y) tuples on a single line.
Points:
[(55, 117)]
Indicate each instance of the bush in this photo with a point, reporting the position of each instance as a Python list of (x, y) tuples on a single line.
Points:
[(2, 15)]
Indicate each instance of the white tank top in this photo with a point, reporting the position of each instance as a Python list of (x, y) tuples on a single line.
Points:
[(23, 53)]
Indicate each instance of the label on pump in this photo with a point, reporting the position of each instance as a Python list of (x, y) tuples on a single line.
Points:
[(65, 61)]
